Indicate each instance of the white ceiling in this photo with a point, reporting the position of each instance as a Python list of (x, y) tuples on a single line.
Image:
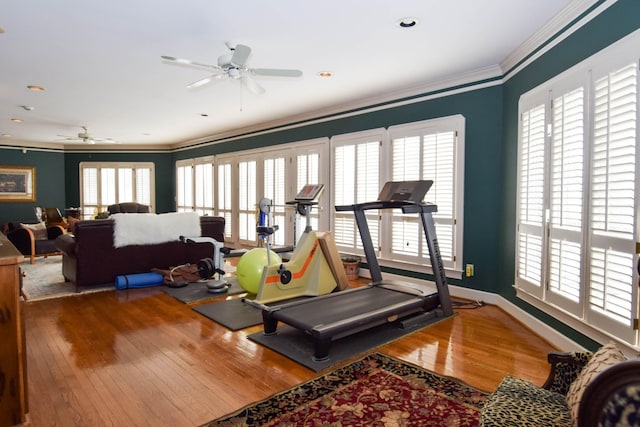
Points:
[(100, 64)]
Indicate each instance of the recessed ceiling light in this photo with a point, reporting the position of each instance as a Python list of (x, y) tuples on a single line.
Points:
[(17, 120), (408, 22), (35, 88), (28, 107), (1, 30), (325, 74), (204, 115), (6, 135)]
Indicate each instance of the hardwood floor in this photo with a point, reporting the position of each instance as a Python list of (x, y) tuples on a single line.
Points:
[(140, 357)]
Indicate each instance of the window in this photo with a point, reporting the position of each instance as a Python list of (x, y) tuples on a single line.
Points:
[(194, 186), (103, 184), (224, 205), (427, 150), (577, 194), (274, 180), (356, 179), (247, 200), (232, 185)]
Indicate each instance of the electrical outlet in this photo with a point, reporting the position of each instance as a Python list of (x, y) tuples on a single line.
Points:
[(469, 270)]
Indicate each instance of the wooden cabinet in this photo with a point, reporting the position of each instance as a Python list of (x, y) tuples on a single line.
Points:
[(13, 363)]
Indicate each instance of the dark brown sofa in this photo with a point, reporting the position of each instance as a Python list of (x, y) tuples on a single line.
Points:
[(89, 257), (127, 207)]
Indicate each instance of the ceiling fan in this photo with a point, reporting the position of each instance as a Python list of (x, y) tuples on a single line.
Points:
[(86, 138), (233, 66)]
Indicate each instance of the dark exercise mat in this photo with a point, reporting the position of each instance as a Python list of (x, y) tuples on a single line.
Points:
[(198, 291), (233, 314), (298, 346)]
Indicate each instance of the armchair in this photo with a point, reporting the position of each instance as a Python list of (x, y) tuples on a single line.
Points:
[(584, 389), (34, 240), (54, 217)]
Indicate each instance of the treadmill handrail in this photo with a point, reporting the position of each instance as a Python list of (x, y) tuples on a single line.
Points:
[(407, 207), (400, 287)]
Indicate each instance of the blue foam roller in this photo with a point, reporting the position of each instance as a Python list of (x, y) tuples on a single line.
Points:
[(141, 280)]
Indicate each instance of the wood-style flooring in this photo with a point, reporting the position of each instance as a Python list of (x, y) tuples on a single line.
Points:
[(142, 358)]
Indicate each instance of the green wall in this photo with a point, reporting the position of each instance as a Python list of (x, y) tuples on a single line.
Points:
[(50, 182), (482, 110)]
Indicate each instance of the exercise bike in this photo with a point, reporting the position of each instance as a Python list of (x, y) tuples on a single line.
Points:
[(314, 267)]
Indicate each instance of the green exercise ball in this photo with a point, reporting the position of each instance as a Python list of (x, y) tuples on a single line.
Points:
[(250, 266)]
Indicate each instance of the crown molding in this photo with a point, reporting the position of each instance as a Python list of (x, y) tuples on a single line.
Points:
[(433, 89), (567, 21)]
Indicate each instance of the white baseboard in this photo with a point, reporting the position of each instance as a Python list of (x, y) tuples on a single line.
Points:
[(552, 336)]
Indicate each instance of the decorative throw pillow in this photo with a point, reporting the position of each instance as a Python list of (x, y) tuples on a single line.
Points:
[(39, 230), (606, 356)]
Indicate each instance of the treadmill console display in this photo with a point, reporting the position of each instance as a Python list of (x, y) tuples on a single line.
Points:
[(405, 191), (309, 192)]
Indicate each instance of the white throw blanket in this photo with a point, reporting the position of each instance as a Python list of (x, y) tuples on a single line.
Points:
[(150, 229)]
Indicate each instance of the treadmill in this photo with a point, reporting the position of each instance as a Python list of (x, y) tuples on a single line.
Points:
[(337, 315)]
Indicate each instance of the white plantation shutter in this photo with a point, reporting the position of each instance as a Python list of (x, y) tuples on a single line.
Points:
[(203, 188), (406, 158), (184, 188), (225, 198), (125, 185), (565, 228), (426, 151), (90, 187), (531, 173), (274, 188), (143, 186), (308, 172), (247, 199), (578, 211), (108, 186), (356, 179), (438, 165), (344, 230), (614, 197)]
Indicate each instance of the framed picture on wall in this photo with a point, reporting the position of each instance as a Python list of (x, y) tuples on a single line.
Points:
[(17, 184)]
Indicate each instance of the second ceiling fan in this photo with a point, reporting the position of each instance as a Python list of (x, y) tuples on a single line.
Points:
[(233, 66), (86, 138)]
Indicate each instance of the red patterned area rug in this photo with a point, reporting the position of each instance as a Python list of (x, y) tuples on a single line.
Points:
[(377, 390)]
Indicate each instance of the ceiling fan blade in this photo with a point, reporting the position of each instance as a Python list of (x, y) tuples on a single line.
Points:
[(204, 81), (276, 72), (188, 63), (252, 85), (240, 55)]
